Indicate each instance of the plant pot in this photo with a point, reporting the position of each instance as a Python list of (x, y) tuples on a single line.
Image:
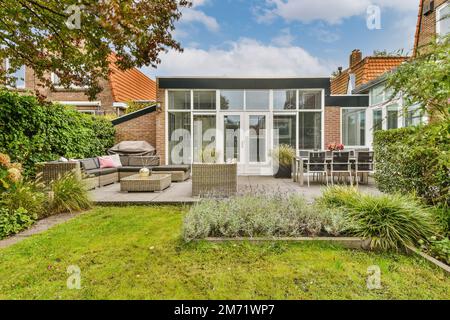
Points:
[(284, 172)]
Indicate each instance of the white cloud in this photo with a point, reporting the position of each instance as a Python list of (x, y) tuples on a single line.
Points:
[(245, 57), (192, 15), (284, 39), (331, 11)]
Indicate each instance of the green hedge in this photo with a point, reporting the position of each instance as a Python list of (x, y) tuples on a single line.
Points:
[(415, 160), (32, 131)]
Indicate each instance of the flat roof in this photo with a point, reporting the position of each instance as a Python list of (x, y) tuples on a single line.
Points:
[(243, 83)]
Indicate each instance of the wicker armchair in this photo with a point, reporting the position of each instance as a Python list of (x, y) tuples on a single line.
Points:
[(214, 179), (51, 171)]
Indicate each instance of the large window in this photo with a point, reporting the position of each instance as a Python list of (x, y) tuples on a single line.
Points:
[(179, 137), (310, 130), (180, 100), (204, 100), (413, 116), (231, 100), (392, 116), (204, 138), (443, 20), (285, 99), (377, 120), (257, 100), (18, 75), (284, 130), (310, 100), (354, 127)]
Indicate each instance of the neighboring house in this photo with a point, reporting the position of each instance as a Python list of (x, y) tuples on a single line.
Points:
[(119, 89), (240, 118), (433, 22), (385, 111), (353, 125)]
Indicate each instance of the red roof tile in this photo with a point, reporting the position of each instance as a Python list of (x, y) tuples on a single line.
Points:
[(130, 85)]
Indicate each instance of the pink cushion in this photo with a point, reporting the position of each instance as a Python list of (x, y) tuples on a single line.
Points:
[(106, 162)]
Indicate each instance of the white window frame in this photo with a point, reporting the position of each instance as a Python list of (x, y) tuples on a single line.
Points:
[(7, 65), (439, 18), (58, 86), (365, 109)]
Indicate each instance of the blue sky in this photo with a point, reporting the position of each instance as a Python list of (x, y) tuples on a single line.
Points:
[(301, 38)]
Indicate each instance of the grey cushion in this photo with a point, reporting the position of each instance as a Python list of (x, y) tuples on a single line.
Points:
[(129, 169), (100, 172), (184, 168), (90, 164), (137, 161)]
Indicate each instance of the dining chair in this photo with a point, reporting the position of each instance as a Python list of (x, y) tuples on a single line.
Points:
[(340, 163), (364, 164), (317, 163)]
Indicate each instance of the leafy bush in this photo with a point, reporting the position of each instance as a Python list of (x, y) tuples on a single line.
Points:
[(68, 194), (438, 248), (27, 195), (32, 131), (14, 221), (390, 221), (10, 173), (415, 160), (259, 216)]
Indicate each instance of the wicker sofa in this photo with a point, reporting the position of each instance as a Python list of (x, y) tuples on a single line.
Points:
[(89, 170), (214, 179)]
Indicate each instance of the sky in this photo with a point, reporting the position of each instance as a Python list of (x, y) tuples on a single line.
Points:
[(276, 38)]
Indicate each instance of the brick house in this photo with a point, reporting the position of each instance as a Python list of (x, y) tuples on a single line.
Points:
[(119, 89), (432, 21)]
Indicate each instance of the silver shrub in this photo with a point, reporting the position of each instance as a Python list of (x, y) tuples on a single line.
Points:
[(260, 214)]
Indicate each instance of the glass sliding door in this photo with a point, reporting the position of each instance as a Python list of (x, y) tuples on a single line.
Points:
[(284, 130), (310, 130), (232, 137), (204, 131), (257, 143), (354, 127), (179, 137)]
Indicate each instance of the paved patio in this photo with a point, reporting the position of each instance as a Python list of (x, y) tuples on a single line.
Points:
[(180, 193)]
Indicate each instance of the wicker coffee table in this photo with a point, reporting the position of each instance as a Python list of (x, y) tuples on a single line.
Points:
[(154, 182)]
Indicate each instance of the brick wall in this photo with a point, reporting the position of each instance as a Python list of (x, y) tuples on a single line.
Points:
[(332, 125), (105, 96), (427, 27), (141, 128), (160, 128)]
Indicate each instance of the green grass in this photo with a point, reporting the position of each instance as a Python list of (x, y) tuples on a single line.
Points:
[(137, 253)]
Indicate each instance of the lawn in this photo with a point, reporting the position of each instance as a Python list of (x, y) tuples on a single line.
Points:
[(137, 253)]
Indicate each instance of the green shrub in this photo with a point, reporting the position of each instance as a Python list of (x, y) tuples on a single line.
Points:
[(14, 221), (27, 195), (442, 217), (438, 248), (284, 154), (33, 131), (390, 221), (415, 160), (258, 216), (68, 194)]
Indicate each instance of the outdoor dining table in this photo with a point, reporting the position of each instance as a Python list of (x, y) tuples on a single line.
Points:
[(298, 170)]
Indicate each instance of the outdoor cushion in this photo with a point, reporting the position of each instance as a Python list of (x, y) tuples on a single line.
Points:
[(100, 172), (107, 162), (184, 168), (89, 164), (142, 148), (129, 169), (137, 161)]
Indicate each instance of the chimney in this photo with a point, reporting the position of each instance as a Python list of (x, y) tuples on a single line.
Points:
[(355, 57), (340, 70)]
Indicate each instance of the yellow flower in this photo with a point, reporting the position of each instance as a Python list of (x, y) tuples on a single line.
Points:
[(17, 166), (14, 175), (5, 161)]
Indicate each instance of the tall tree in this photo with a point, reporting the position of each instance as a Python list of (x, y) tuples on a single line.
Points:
[(74, 39)]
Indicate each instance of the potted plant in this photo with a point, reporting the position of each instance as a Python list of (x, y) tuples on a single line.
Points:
[(335, 146), (283, 154)]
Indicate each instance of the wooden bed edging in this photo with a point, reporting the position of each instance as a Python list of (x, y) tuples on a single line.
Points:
[(430, 259), (348, 242)]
